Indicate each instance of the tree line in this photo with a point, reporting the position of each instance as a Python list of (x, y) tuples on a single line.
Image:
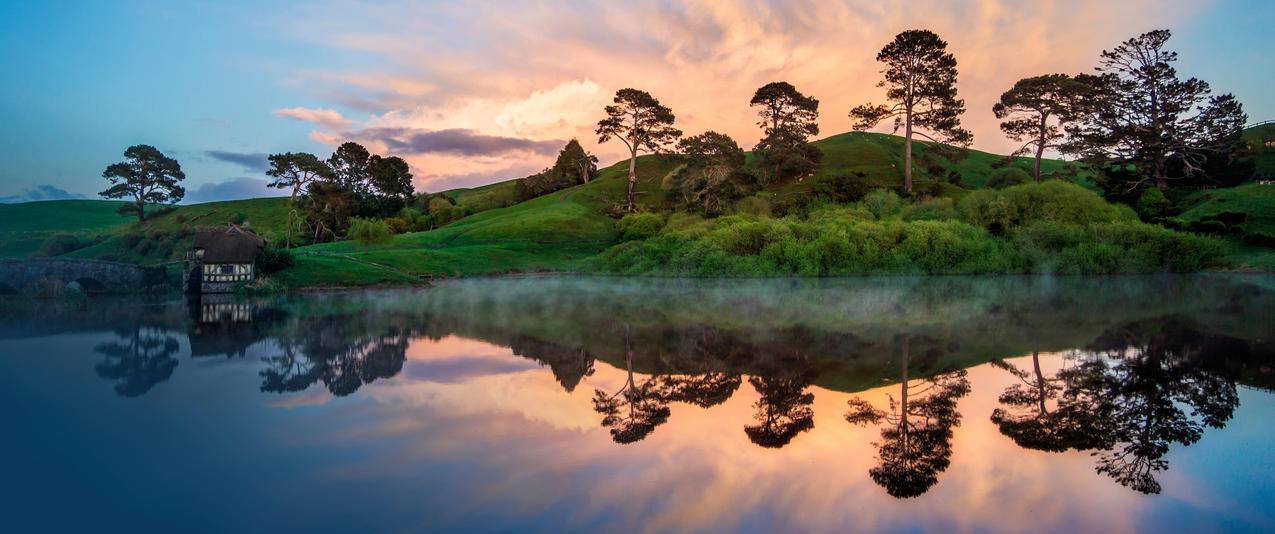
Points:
[(1134, 120)]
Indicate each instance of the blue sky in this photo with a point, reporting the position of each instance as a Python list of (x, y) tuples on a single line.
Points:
[(472, 92)]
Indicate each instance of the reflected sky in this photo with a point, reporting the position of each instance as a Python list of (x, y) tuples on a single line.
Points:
[(475, 405)]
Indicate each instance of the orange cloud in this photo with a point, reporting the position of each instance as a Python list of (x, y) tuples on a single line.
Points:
[(544, 72)]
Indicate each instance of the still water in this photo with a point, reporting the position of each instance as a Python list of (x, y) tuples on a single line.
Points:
[(557, 403)]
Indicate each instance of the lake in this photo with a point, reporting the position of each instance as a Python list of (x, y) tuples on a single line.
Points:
[(1000, 404)]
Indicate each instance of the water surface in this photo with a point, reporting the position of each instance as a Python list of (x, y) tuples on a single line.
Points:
[(876, 404)]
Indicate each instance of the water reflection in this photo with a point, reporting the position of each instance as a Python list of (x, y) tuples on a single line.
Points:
[(139, 359), (916, 427), (1125, 382)]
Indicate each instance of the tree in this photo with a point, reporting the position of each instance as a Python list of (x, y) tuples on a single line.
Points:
[(328, 208), (147, 176), (788, 120), (351, 168), (296, 170), (916, 441), (1035, 417), (713, 174), (1140, 118), (391, 183), (574, 160), (784, 409), (1035, 112), (920, 82), (639, 121), (370, 232)]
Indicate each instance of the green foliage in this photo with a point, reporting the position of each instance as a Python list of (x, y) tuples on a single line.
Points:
[(639, 226), (1007, 176), (843, 188), (832, 246), (882, 204), (1120, 247), (397, 224), (1248, 210), (937, 209), (272, 259), (60, 244), (1152, 204), (368, 232), (1002, 210)]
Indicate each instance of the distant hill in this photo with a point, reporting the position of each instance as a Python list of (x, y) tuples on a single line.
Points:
[(1261, 138)]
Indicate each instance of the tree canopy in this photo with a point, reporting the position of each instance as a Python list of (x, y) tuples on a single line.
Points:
[(920, 82), (1035, 110), (147, 176), (639, 121), (1151, 125)]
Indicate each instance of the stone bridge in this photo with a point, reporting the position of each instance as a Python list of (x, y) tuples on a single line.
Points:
[(92, 276)]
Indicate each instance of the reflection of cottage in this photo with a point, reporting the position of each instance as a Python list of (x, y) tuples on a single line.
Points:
[(223, 257)]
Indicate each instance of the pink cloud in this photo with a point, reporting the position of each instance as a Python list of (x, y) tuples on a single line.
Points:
[(544, 72), (327, 117)]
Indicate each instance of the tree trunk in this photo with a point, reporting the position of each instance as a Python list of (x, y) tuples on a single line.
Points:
[(907, 151), (903, 396), (1040, 380), (141, 210), (1040, 145), (632, 177)]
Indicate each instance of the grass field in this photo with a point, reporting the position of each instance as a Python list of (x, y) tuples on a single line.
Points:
[(25, 227), (1263, 155)]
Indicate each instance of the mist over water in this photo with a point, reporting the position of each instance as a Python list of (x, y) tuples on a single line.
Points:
[(550, 403)]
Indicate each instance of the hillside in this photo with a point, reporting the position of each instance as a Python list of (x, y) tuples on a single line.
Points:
[(1261, 139), (25, 227)]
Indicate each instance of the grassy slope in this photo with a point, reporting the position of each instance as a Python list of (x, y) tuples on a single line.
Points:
[(24, 227), (1257, 201), (1263, 156)]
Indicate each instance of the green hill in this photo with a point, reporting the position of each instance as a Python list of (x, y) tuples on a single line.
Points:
[(1261, 139), (25, 227)]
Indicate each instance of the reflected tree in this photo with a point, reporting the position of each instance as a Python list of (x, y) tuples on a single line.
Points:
[(1034, 417), (140, 359), (326, 350), (916, 429), (637, 408), (785, 407), (1156, 383)]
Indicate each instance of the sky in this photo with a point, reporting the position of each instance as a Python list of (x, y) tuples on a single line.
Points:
[(476, 92)]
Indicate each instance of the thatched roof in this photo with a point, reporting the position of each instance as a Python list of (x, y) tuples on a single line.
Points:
[(228, 244)]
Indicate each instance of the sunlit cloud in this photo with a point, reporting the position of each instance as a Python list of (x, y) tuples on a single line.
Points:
[(327, 117), (542, 73)]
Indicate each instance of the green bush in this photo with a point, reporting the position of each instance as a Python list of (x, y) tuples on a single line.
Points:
[(1152, 204), (272, 259), (1007, 176), (59, 244), (370, 232), (882, 203), (938, 209), (636, 226), (828, 246), (843, 188), (1003, 210)]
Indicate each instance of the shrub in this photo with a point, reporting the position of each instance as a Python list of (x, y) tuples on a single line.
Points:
[(843, 188), (753, 205), (1007, 176), (397, 224), (937, 209), (272, 259), (636, 226), (1152, 204), (370, 232), (59, 244), (1015, 206), (130, 239), (882, 203), (238, 218)]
